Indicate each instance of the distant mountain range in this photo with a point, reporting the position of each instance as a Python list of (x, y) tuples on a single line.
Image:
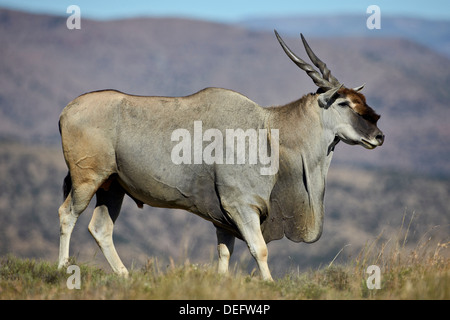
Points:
[(44, 65), (435, 34)]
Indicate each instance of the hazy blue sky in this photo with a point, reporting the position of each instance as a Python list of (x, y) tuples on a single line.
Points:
[(231, 10)]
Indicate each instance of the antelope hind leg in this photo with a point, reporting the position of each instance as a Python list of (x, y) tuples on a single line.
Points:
[(101, 226)]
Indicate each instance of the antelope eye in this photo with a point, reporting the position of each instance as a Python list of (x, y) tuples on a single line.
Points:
[(343, 104)]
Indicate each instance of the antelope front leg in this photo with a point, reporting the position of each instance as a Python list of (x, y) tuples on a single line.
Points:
[(248, 224)]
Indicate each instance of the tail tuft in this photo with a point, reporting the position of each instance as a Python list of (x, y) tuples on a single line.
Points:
[(67, 186)]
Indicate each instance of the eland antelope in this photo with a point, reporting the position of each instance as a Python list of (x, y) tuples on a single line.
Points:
[(116, 144)]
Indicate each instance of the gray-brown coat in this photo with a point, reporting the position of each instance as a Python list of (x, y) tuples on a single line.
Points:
[(180, 152)]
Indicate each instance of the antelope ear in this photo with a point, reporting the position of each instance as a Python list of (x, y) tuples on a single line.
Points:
[(327, 98), (359, 88)]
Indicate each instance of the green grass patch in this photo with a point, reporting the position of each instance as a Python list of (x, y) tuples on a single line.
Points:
[(420, 272)]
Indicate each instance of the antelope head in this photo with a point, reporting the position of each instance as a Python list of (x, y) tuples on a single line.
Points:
[(346, 112)]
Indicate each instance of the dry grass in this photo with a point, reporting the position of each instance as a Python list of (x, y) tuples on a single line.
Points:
[(422, 272)]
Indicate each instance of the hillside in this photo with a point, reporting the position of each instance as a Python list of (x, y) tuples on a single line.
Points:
[(43, 66), (434, 34), (360, 206)]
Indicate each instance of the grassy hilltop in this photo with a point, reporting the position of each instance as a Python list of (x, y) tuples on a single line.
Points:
[(421, 273)]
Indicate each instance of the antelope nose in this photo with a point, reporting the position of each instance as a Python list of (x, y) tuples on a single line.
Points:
[(380, 138)]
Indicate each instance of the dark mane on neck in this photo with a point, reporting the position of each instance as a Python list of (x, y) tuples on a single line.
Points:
[(296, 104)]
